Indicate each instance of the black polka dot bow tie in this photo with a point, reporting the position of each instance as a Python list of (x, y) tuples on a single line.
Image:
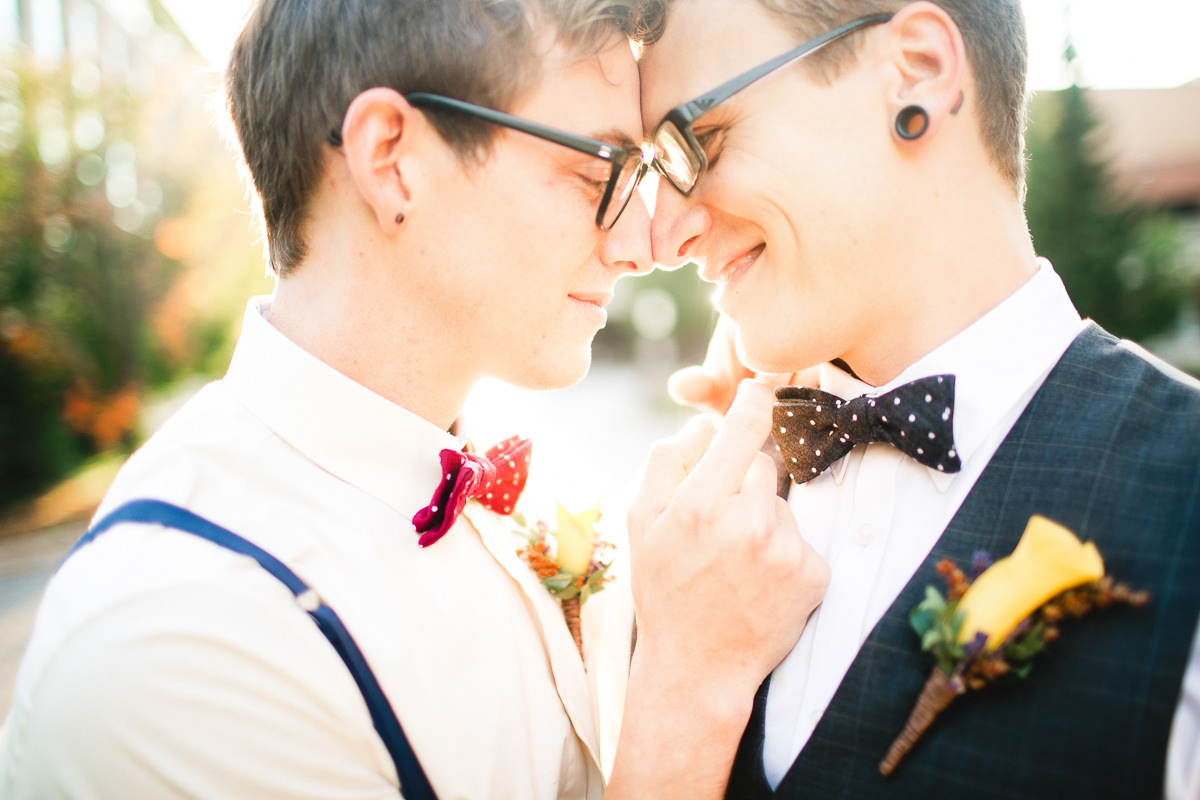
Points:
[(813, 429)]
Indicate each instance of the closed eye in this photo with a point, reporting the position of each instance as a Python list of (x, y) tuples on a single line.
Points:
[(593, 183), (710, 141), (594, 187)]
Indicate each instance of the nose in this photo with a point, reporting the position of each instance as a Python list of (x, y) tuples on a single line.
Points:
[(679, 226), (626, 245)]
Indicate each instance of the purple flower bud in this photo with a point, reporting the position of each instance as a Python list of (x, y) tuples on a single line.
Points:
[(974, 647), (980, 561)]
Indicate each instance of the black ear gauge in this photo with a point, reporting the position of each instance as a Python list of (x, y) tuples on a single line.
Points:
[(911, 122)]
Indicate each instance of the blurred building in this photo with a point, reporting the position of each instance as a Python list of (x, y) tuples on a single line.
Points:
[(1152, 138), (119, 78), (127, 40)]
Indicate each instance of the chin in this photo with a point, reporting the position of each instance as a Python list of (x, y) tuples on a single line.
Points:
[(552, 371), (768, 353)]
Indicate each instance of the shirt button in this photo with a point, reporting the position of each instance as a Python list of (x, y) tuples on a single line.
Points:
[(814, 718), (865, 534)]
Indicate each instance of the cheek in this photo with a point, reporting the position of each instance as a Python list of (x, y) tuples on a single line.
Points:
[(748, 185)]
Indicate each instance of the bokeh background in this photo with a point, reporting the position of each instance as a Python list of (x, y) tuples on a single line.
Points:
[(127, 249)]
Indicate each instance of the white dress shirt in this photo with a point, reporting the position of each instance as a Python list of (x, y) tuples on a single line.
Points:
[(164, 666), (875, 546)]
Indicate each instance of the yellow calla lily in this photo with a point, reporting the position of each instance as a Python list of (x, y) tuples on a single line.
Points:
[(1048, 560), (576, 536)]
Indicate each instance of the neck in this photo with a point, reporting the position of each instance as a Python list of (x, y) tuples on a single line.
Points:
[(972, 251), (341, 307)]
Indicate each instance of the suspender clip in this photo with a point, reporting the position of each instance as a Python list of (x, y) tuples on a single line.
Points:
[(309, 600)]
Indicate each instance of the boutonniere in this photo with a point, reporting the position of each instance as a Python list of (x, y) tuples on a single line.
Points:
[(571, 560), (990, 630)]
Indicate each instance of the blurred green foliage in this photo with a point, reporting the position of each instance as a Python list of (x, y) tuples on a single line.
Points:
[(1120, 261), (79, 275)]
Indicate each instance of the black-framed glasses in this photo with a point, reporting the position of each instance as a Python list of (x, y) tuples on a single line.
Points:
[(627, 166), (677, 154)]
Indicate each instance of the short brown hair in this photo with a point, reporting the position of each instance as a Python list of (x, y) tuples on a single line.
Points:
[(298, 64), (994, 34)]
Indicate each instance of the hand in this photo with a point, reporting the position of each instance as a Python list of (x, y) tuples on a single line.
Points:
[(712, 385), (723, 584), (723, 581)]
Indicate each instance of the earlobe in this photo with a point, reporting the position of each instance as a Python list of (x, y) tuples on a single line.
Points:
[(929, 58), (376, 137), (911, 122)]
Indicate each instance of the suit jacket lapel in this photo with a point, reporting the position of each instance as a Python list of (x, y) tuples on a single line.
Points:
[(565, 664)]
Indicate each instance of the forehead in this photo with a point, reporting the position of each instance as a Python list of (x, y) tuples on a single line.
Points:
[(595, 95), (705, 43)]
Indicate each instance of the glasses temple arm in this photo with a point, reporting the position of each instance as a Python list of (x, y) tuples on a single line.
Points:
[(583, 144), (731, 87)]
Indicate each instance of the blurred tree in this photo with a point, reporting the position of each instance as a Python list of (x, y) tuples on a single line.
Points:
[(78, 276), (1120, 261)]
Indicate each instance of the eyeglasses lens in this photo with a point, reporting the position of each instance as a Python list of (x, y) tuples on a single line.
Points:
[(626, 183), (675, 157)]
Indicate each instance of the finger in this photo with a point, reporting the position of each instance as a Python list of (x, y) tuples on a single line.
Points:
[(756, 502), (669, 463), (691, 386), (762, 478), (723, 467), (774, 379)]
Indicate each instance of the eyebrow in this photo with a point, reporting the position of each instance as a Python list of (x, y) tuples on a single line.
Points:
[(614, 136), (720, 115)]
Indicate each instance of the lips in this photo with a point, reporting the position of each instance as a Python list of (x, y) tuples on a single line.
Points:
[(734, 268), (591, 306), (600, 298)]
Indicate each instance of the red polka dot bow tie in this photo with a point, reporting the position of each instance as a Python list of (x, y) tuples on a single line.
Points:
[(813, 429), (495, 478)]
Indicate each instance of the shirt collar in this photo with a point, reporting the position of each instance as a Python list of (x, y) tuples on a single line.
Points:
[(340, 425), (996, 361)]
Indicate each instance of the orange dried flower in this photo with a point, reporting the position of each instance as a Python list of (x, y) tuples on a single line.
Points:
[(956, 582)]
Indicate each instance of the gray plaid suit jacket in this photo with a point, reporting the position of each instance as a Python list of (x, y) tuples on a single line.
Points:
[(1110, 447)]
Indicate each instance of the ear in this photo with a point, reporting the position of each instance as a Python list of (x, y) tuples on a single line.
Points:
[(378, 135), (930, 59)]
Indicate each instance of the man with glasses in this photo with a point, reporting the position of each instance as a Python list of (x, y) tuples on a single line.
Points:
[(857, 199), (448, 193)]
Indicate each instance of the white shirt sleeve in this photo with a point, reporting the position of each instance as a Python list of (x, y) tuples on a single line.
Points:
[(1183, 748), (191, 692)]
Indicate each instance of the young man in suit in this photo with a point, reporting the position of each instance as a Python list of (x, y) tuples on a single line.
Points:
[(449, 192), (857, 199)]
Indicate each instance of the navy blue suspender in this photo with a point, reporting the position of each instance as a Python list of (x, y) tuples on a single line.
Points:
[(413, 783)]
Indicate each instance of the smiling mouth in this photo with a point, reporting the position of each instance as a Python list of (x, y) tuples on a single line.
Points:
[(735, 269)]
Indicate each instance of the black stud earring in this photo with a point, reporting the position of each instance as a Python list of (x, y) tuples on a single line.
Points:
[(399, 219), (911, 122)]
